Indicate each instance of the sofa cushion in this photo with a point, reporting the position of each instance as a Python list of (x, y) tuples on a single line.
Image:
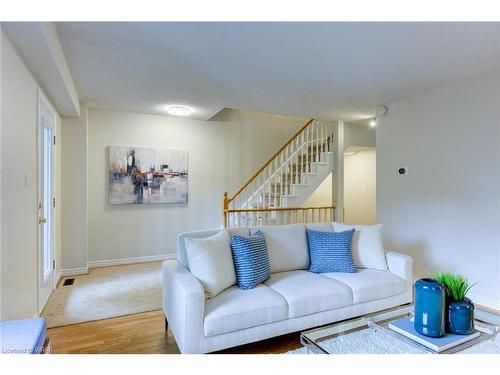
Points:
[(330, 251), (251, 260), (287, 246), (181, 246), (235, 309), (369, 285), (324, 227), (211, 262), (308, 293), (367, 246)]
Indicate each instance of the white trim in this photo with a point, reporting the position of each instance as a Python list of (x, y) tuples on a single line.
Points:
[(115, 262), (74, 271), (484, 301), (42, 100), (123, 261)]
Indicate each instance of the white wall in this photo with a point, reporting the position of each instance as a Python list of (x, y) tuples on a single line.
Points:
[(322, 196), (359, 134), (222, 154), (356, 135), (360, 187), (446, 211), (74, 193), (19, 202)]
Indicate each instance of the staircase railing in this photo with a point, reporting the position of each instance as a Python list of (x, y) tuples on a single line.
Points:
[(251, 217), (271, 184)]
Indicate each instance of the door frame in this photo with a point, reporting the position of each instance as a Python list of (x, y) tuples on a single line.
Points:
[(43, 100)]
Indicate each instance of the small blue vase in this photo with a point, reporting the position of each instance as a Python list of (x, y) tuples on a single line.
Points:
[(430, 304), (461, 317)]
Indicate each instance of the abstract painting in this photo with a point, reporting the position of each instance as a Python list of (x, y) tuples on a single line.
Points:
[(139, 175)]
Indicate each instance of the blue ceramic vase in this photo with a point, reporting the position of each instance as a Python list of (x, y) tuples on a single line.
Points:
[(430, 304), (461, 317)]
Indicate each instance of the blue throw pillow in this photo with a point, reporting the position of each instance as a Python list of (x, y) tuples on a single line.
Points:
[(330, 251), (251, 260)]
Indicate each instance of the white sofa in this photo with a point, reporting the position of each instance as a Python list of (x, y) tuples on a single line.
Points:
[(290, 301)]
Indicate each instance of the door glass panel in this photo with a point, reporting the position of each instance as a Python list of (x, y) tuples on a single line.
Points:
[(47, 198)]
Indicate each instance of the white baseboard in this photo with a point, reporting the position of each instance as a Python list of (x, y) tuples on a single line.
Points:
[(123, 261), (58, 278), (74, 271), (478, 300), (484, 301), (115, 262)]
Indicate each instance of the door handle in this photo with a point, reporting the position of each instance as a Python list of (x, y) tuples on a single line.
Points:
[(42, 220)]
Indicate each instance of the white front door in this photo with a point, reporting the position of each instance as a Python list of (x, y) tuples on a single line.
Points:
[(46, 126)]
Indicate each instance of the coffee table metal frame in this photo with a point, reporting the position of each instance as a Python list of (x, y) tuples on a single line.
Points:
[(312, 339)]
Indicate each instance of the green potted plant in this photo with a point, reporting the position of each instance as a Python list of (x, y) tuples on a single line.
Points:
[(460, 309)]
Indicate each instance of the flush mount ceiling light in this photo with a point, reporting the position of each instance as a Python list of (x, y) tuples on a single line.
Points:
[(373, 122), (179, 110)]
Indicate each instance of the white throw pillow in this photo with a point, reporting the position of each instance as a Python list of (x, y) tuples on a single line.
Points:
[(322, 227), (287, 247), (211, 262), (367, 246)]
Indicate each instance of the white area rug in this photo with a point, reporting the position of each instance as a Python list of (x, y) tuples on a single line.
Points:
[(367, 341), (104, 293)]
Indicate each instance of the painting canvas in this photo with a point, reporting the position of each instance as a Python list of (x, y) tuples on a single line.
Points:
[(139, 175)]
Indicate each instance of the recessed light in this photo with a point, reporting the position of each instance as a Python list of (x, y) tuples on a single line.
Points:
[(179, 110)]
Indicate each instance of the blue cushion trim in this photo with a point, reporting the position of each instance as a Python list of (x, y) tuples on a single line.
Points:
[(251, 259), (330, 251)]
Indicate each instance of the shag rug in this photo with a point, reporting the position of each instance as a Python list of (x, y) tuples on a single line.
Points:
[(367, 341), (105, 293)]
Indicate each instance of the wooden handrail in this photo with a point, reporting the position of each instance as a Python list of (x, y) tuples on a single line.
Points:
[(228, 200), (278, 209)]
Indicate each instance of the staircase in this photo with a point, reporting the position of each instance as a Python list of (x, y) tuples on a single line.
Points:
[(275, 194)]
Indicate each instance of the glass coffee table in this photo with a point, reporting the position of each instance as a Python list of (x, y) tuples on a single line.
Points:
[(370, 334)]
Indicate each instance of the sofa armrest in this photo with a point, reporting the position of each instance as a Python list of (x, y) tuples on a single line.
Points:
[(400, 265), (183, 304)]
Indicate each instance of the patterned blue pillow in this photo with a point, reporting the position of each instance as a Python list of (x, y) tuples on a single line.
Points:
[(251, 260), (330, 251)]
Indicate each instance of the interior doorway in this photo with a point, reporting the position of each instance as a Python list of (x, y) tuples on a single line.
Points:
[(360, 185), (46, 201)]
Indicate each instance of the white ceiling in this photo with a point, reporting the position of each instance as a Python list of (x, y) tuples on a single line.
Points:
[(321, 70)]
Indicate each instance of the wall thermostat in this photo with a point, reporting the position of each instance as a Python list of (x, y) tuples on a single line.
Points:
[(402, 171)]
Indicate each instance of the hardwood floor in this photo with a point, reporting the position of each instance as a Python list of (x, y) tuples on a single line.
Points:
[(140, 334)]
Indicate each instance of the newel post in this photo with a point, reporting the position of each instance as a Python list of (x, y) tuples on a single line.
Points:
[(225, 208)]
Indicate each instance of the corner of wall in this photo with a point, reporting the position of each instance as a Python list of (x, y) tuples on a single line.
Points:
[(74, 249), (338, 171)]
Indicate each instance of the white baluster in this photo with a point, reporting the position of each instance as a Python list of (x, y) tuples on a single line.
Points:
[(296, 161), (322, 138), (287, 168), (317, 141), (307, 148), (302, 155), (271, 183), (282, 176)]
